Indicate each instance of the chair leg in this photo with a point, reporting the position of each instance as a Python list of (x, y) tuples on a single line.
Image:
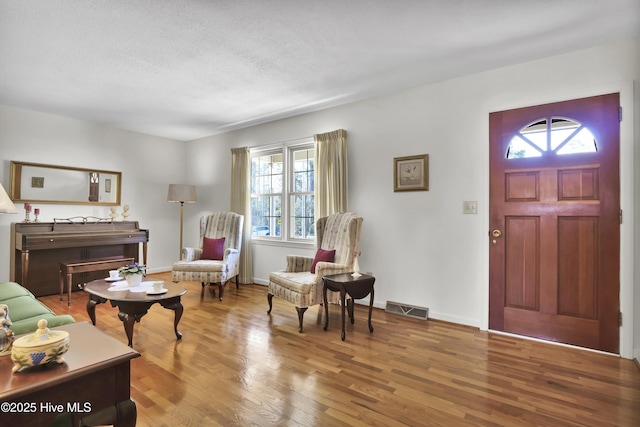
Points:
[(220, 290), (237, 283), (301, 311), (212, 290), (270, 300)]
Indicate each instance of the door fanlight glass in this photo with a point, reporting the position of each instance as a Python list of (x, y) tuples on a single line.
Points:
[(551, 136)]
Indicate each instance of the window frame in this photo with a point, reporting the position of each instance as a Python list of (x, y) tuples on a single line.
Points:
[(550, 128), (286, 205)]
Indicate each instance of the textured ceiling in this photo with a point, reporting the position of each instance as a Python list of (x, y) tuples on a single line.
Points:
[(192, 68)]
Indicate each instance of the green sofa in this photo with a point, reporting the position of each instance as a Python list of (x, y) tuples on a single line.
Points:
[(25, 310)]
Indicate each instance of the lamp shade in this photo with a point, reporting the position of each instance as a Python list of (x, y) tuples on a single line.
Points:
[(181, 193), (6, 205)]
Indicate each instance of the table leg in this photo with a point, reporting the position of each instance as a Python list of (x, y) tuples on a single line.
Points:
[(342, 296), (326, 307), (69, 284), (121, 414), (178, 308), (127, 414), (61, 282), (370, 310), (350, 305), (91, 307), (128, 320)]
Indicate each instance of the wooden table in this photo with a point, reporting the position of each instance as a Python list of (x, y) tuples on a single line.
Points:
[(68, 268), (357, 288), (134, 305), (92, 385)]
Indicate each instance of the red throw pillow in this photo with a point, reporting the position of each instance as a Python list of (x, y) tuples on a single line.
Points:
[(323, 255), (212, 248)]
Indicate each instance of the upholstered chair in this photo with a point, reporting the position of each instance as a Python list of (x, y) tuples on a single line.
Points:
[(300, 283), (216, 259)]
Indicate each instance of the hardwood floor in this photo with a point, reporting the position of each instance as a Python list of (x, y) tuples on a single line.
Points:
[(238, 366)]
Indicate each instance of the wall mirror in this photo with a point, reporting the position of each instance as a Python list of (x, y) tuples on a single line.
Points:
[(40, 183)]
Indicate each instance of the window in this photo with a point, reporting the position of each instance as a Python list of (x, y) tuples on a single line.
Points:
[(266, 194), (553, 135), (282, 193)]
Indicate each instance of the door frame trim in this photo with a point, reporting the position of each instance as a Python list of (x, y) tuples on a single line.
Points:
[(627, 189)]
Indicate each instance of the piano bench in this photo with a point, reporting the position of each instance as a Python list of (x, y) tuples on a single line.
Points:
[(68, 268)]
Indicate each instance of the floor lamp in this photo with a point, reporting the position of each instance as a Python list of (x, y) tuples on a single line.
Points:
[(6, 205), (180, 193)]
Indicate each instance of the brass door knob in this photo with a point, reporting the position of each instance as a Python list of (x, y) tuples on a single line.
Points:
[(496, 233)]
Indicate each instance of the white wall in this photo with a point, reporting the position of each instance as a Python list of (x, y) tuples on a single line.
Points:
[(419, 245), (148, 165)]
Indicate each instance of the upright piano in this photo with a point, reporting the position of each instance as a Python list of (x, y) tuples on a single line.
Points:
[(37, 248)]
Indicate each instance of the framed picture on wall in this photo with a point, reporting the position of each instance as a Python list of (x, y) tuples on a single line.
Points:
[(411, 173), (37, 182)]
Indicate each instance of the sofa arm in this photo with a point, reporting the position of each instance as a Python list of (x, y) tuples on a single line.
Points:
[(297, 264), (191, 254), (25, 310)]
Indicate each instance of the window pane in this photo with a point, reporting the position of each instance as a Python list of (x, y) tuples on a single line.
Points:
[(255, 183), (302, 217), (582, 142), (276, 216), (519, 148), (276, 183), (276, 162), (299, 182), (303, 156), (535, 134), (561, 129), (266, 174), (264, 186), (266, 216), (303, 165)]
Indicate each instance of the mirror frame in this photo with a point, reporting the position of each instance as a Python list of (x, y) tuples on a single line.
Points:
[(16, 182)]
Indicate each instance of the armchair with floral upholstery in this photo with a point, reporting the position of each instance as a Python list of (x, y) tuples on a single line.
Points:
[(216, 259), (300, 283)]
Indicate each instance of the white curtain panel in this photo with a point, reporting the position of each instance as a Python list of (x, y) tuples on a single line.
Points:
[(330, 173), (241, 203)]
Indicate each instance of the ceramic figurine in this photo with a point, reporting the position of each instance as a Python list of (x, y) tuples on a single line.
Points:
[(6, 334), (125, 212)]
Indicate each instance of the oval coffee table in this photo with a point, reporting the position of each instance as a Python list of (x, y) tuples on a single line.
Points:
[(134, 305)]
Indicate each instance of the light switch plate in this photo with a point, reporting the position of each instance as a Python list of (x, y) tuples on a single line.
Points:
[(469, 207)]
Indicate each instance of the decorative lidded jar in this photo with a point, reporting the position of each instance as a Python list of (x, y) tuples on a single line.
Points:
[(43, 346)]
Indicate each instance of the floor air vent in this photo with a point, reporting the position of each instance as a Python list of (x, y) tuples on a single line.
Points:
[(407, 310)]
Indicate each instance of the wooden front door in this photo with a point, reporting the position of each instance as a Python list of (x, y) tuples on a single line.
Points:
[(555, 222)]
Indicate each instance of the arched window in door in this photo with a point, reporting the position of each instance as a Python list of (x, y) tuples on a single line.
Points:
[(551, 136)]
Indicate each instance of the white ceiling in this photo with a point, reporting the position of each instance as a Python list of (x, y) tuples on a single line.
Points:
[(192, 68)]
